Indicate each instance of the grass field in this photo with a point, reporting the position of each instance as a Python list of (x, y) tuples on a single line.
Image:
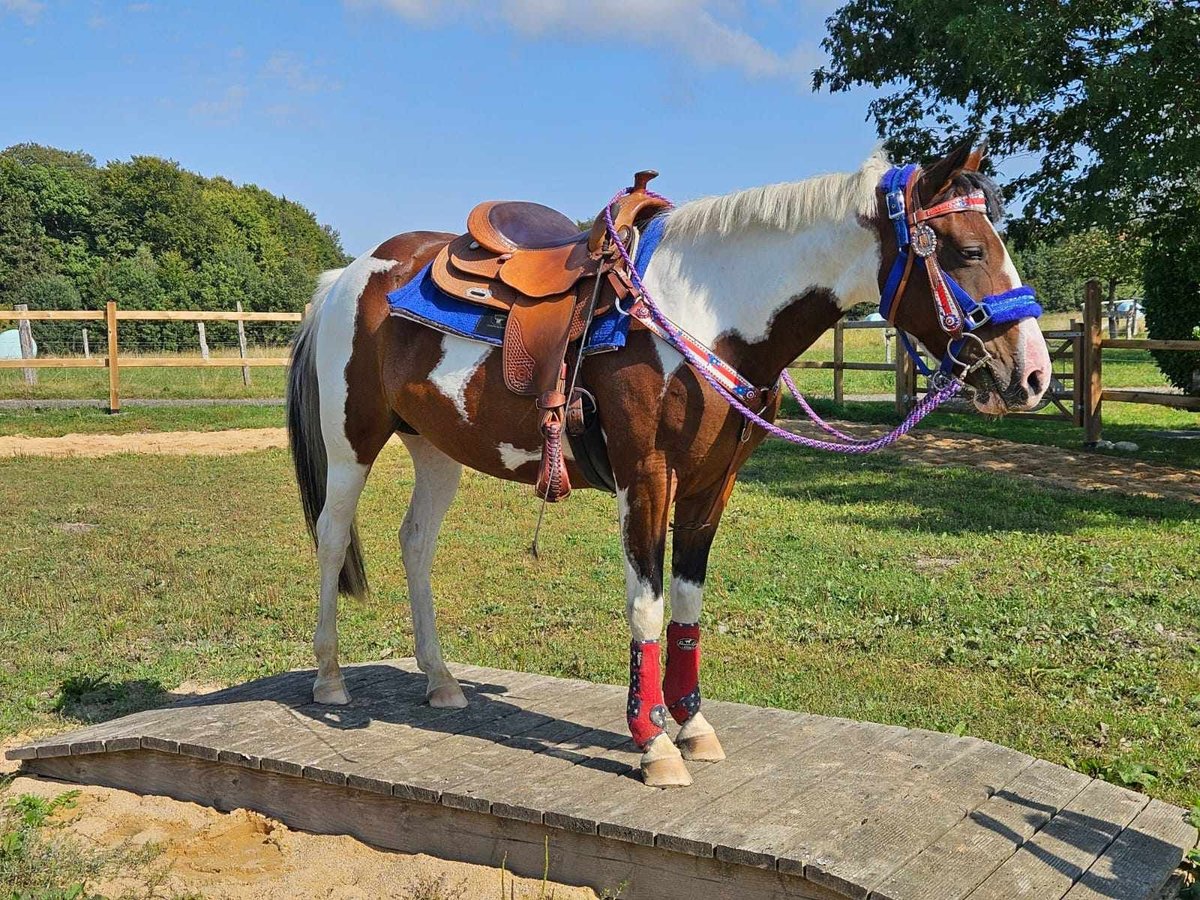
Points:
[(1060, 623)]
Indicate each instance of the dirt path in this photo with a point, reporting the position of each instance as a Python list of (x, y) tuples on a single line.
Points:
[(1063, 468), (243, 855), (176, 443), (1079, 470)]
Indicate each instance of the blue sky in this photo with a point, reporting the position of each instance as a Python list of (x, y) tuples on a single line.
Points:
[(392, 115)]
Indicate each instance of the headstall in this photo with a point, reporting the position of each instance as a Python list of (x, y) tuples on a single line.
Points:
[(958, 313)]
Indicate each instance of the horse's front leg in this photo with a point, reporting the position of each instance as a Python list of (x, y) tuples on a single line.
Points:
[(644, 508), (696, 526)]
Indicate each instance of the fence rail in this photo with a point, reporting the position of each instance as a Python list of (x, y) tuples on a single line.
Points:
[(111, 315)]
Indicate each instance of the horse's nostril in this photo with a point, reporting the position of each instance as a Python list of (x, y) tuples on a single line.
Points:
[(1034, 382)]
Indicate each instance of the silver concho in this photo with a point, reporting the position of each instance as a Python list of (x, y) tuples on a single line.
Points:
[(924, 240)]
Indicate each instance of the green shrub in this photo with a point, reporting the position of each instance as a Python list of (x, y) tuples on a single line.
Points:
[(1172, 281)]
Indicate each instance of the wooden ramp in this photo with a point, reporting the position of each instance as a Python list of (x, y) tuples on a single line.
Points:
[(805, 806)]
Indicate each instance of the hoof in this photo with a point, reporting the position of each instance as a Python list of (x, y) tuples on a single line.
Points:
[(662, 766), (702, 748), (666, 773), (331, 691), (447, 696)]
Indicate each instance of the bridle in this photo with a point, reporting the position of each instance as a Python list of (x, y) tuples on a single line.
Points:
[(958, 313)]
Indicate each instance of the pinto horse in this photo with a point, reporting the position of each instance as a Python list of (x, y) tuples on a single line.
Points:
[(757, 276)]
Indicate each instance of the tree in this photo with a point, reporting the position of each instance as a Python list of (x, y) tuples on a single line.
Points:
[(1172, 275), (1105, 96), (52, 292), (151, 234)]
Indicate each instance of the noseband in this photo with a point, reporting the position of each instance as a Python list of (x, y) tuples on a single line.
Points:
[(958, 313)]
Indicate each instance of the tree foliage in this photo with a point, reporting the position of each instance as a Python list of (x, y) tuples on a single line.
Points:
[(1172, 275), (150, 235), (1103, 94)]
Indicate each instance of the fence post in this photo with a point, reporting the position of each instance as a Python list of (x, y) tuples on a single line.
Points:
[(242, 346), (1093, 363), (87, 348), (203, 340), (25, 333), (839, 346), (905, 378), (1077, 372), (114, 368)]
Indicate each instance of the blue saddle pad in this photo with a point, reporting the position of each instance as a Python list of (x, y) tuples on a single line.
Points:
[(423, 301)]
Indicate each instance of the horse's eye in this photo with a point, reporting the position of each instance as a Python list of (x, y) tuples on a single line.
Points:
[(973, 252)]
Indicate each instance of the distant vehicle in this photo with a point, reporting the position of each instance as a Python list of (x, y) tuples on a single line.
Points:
[(1125, 307), (10, 344)]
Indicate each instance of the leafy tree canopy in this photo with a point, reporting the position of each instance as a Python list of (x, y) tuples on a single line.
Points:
[(1104, 95), (150, 235)]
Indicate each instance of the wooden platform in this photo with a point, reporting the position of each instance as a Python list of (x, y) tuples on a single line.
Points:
[(805, 806)]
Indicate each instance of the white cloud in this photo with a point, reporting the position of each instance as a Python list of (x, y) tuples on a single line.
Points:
[(29, 11), (224, 108), (699, 29), (297, 75)]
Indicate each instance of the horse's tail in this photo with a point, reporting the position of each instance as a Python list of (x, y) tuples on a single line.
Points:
[(305, 439)]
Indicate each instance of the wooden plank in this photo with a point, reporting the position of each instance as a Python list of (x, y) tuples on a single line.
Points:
[(1050, 862), (875, 837), (1139, 862), (589, 860), (1155, 398), (203, 337), (1147, 344), (114, 358), (805, 827), (185, 362), (618, 805), (87, 348), (178, 315), (25, 336), (36, 315), (964, 856), (52, 362), (857, 325), (414, 739)]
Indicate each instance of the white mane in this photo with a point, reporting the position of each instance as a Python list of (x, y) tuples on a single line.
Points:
[(791, 207)]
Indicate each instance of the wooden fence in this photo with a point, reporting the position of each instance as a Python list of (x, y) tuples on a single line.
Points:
[(1077, 394), (111, 316)]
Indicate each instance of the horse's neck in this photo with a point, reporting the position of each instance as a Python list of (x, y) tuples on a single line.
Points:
[(763, 296)]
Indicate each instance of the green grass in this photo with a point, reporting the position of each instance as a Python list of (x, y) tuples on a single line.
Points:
[(57, 422), (39, 861), (1063, 624), (148, 383)]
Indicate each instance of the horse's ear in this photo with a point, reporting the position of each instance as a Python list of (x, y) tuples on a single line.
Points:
[(937, 177), (975, 160)]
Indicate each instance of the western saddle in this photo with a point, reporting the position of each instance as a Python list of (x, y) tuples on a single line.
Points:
[(532, 263)]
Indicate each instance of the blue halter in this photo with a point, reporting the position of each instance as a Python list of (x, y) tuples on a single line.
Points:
[(959, 313)]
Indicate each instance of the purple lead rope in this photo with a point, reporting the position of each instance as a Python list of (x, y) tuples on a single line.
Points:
[(855, 445)]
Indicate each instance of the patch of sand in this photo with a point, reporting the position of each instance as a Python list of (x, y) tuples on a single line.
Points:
[(175, 443)]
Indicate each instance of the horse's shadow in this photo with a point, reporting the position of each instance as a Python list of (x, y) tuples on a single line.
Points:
[(391, 696)]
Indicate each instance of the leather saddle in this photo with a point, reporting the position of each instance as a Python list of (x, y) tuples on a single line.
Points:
[(532, 263)]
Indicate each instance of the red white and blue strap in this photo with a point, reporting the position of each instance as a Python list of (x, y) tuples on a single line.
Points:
[(728, 377)]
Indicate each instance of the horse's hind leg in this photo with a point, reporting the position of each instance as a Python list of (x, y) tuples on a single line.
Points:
[(436, 482), (344, 482)]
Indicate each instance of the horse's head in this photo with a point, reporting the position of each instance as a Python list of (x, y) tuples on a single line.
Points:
[(946, 279)]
